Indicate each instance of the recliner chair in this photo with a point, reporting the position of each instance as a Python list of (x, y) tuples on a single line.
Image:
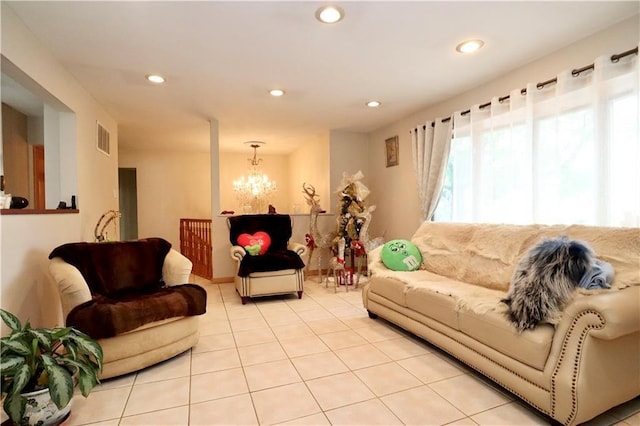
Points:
[(262, 268)]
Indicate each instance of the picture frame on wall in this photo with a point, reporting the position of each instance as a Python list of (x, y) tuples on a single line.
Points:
[(392, 152)]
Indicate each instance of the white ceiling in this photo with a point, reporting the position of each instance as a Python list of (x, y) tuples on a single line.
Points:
[(221, 58)]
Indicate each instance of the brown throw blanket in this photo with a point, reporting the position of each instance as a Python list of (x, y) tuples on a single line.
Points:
[(104, 317), (117, 267)]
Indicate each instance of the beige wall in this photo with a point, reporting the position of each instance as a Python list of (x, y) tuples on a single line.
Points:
[(394, 189), (348, 153), (26, 240), (309, 164), (171, 185)]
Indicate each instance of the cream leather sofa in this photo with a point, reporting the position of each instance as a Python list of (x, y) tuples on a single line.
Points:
[(144, 345), (583, 364)]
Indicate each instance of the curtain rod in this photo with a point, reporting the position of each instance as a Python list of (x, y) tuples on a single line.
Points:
[(576, 72)]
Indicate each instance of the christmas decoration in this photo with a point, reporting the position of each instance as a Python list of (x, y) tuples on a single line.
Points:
[(352, 213), (314, 239)]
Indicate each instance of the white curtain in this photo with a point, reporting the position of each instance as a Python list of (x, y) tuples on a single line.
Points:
[(566, 153), (430, 146)]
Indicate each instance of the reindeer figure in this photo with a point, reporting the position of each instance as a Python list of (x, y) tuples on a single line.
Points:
[(367, 243), (314, 238)]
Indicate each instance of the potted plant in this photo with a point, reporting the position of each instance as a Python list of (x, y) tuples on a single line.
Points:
[(34, 360)]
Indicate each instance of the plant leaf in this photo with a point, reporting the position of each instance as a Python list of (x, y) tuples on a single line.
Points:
[(11, 320), (60, 332), (72, 350), (60, 381), (16, 335), (18, 346), (20, 379), (87, 378), (42, 336), (90, 346), (14, 406), (11, 363)]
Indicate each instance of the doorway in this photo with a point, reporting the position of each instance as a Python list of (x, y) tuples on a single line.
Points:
[(128, 190)]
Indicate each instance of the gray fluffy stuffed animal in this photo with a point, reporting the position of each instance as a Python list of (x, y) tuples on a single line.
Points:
[(544, 280)]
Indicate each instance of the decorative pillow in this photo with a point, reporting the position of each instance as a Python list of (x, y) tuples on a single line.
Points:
[(401, 255), (255, 244), (278, 226)]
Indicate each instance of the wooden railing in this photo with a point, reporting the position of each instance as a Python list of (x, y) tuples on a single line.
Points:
[(195, 244)]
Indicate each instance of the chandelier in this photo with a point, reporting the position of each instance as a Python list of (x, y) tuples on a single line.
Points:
[(254, 190)]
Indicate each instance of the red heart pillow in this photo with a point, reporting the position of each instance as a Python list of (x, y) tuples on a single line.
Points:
[(255, 244)]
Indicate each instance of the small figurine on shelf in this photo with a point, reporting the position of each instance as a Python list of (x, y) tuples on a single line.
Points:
[(18, 202)]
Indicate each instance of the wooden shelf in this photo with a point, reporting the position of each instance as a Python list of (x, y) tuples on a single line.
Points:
[(35, 211)]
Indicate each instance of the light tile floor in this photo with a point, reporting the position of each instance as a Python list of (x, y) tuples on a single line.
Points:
[(315, 361)]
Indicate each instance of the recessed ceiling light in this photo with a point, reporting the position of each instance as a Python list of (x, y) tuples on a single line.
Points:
[(155, 78), (329, 14), (276, 92), (373, 104), (469, 46)]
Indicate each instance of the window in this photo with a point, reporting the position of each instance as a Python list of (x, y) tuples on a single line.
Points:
[(562, 155)]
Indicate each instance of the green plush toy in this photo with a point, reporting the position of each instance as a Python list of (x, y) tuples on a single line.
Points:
[(401, 255)]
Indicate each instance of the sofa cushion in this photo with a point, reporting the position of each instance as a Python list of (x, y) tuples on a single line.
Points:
[(479, 254), (389, 288), (486, 255), (441, 307), (491, 328), (618, 246), (117, 268), (272, 260), (104, 317)]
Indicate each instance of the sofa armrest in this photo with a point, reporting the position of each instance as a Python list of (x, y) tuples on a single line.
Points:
[(72, 287), (176, 268), (595, 342), (618, 312), (300, 249), (237, 252)]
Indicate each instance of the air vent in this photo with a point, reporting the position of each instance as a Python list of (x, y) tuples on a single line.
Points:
[(103, 140)]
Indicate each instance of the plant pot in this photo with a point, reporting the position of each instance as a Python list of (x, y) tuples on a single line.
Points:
[(41, 410)]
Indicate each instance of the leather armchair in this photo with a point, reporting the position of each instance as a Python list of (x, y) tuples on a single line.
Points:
[(277, 271), (101, 294)]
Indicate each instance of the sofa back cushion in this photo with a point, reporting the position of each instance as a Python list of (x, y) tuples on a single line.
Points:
[(618, 246), (486, 254), (121, 267)]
